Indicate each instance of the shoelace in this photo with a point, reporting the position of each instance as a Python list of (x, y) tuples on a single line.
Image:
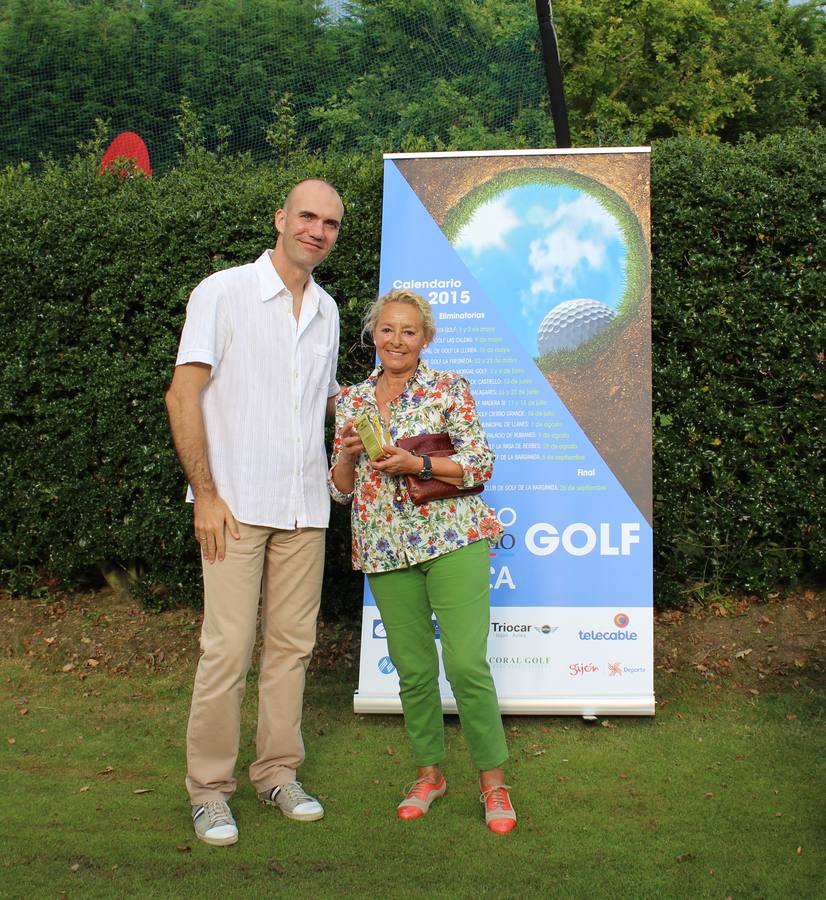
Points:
[(419, 789), (295, 792), (498, 796), (217, 813)]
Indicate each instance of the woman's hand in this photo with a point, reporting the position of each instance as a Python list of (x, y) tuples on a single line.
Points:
[(351, 444), (398, 462)]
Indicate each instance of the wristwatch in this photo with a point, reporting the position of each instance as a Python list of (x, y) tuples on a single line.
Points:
[(427, 469)]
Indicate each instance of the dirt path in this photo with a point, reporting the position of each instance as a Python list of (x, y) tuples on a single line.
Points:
[(744, 644)]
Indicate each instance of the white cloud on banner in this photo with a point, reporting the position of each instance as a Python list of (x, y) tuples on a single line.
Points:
[(488, 227), (579, 233)]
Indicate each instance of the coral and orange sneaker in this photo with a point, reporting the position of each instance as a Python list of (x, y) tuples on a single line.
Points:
[(500, 816), (419, 796)]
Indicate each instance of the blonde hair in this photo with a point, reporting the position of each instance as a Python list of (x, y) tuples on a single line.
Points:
[(371, 317)]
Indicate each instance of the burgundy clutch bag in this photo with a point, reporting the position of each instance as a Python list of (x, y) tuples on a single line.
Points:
[(432, 489)]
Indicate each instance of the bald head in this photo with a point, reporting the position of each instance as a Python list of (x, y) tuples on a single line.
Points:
[(319, 184), (308, 226)]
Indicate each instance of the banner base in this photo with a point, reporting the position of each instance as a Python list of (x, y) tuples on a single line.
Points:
[(515, 706)]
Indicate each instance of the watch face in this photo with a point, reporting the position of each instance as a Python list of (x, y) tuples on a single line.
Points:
[(427, 469)]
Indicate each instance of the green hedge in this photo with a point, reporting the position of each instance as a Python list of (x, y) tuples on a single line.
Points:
[(94, 277), (739, 290), (95, 273)]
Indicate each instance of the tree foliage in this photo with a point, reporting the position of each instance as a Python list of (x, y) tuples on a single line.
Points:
[(403, 74), (637, 70)]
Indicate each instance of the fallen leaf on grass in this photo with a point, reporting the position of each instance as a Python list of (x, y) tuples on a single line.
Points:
[(708, 795), (800, 851), (742, 654), (684, 857), (92, 662), (791, 717), (622, 776), (84, 789), (811, 615), (607, 724), (74, 867), (142, 791), (389, 751), (22, 711), (11, 741), (667, 618), (184, 848), (68, 667), (800, 662), (107, 771), (275, 866), (49, 640)]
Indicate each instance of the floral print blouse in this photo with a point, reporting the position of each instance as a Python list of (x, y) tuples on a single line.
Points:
[(389, 531)]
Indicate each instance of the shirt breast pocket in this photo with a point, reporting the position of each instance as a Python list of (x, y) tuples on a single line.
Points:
[(320, 360)]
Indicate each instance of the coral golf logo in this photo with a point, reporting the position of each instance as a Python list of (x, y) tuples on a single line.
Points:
[(621, 621), (614, 668)]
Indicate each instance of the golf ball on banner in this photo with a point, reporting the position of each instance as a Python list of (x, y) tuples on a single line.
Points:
[(571, 324)]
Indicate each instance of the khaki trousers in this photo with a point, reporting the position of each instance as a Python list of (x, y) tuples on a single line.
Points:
[(290, 564)]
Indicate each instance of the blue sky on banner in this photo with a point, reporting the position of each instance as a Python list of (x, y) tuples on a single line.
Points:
[(575, 251), (616, 570)]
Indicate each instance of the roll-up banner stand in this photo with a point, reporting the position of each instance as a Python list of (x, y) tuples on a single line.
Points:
[(537, 265)]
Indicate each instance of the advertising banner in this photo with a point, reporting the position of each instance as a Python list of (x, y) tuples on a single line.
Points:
[(537, 266)]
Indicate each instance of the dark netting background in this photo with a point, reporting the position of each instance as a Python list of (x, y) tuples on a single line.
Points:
[(271, 77)]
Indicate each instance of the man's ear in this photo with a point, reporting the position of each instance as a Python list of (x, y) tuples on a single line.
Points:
[(278, 220)]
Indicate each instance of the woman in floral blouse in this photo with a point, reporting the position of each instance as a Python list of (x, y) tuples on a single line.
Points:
[(432, 558)]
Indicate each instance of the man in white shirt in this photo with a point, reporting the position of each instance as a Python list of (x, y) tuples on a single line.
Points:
[(254, 377)]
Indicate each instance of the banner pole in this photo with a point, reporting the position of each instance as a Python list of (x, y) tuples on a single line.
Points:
[(553, 72)]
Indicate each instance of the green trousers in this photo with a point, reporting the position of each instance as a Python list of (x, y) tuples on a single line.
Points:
[(456, 588)]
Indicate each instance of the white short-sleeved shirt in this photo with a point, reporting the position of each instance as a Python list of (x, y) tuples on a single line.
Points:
[(264, 405)]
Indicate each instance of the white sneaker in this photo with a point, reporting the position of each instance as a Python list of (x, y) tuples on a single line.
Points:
[(214, 823), (293, 801)]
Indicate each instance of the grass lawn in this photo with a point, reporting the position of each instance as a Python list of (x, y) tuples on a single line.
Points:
[(722, 794)]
